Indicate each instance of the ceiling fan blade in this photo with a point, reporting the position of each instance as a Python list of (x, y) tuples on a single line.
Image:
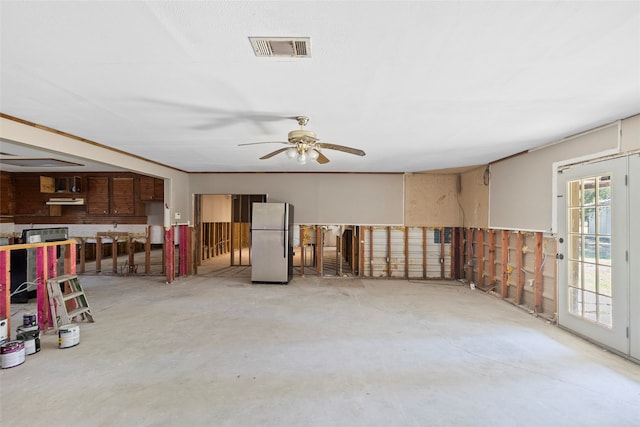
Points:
[(265, 142), (273, 153), (349, 150), (322, 159)]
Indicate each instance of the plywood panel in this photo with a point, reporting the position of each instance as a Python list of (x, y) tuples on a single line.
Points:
[(431, 199)]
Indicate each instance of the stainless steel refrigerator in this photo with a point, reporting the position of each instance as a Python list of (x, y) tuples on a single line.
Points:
[(271, 242)]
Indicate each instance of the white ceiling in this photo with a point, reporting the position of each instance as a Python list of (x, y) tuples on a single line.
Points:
[(418, 85)]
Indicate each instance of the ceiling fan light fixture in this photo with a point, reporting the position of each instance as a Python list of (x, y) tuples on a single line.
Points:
[(313, 154), (291, 152), (302, 158)]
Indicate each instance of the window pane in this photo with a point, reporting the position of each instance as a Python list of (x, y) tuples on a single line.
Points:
[(575, 274), (574, 193), (575, 220), (589, 277), (590, 306), (589, 191), (604, 250), (575, 301), (590, 248), (604, 311), (604, 190), (604, 220), (589, 225), (574, 248), (604, 280)]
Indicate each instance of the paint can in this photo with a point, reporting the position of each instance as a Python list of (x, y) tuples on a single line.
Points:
[(69, 335), (12, 354), (4, 330), (29, 319), (31, 341), (23, 329)]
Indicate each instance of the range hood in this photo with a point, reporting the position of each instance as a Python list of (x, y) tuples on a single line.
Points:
[(66, 201)]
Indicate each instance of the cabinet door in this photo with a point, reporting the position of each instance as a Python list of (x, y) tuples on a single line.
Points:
[(122, 200), (98, 196), (146, 188)]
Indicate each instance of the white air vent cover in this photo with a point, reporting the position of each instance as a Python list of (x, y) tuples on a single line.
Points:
[(297, 47)]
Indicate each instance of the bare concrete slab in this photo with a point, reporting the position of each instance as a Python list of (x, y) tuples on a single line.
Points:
[(219, 351)]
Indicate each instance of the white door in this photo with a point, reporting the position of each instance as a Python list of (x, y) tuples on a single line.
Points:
[(634, 255), (593, 239)]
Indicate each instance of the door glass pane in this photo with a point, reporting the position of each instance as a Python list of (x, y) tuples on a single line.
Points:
[(575, 301), (589, 249)]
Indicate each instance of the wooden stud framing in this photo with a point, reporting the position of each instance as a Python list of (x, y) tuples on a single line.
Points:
[(41, 288), (519, 266), (406, 252), (114, 254), (492, 258), (363, 230), (538, 273), (302, 250), (83, 255), (480, 257), (442, 253), (169, 253), (370, 251), (5, 287), (319, 249), (98, 254), (147, 252), (388, 251), (469, 243), (504, 288), (424, 252)]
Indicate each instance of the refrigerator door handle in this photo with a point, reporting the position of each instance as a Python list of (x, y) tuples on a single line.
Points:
[(284, 232)]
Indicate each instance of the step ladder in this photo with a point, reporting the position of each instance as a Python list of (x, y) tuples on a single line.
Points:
[(67, 300)]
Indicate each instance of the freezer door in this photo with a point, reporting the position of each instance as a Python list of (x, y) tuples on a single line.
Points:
[(269, 216), (269, 256)]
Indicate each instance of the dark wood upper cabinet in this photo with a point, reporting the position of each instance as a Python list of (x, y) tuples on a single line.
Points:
[(151, 189), (98, 195), (122, 200)]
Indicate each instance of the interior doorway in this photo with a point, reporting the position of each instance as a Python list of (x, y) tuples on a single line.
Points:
[(223, 224)]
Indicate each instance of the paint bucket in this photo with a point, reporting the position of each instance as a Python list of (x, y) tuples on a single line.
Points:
[(29, 319), (31, 341), (4, 330), (12, 354), (68, 335), (23, 329)]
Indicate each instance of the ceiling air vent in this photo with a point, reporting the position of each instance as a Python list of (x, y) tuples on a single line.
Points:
[(281, 47)]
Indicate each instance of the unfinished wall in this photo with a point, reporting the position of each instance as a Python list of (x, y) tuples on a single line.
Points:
[(474, 198), (336, 198), (431, 200)]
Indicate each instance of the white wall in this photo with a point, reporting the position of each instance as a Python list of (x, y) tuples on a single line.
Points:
[(522, 188), (336, 198), (176, 198)]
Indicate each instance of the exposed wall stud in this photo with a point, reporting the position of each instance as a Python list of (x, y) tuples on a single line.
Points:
[(504, 289), (538, 273)]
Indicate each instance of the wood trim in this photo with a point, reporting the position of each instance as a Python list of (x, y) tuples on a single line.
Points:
[(424, 252)]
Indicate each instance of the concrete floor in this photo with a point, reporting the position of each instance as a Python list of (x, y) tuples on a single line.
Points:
[(214, 350)]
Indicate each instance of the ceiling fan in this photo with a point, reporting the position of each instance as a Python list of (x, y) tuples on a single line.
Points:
[(303, 145)]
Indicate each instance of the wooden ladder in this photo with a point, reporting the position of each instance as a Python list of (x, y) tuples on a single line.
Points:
[(67, 300)]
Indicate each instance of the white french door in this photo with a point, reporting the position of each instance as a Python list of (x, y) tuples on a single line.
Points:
[(593, 244), (634, 255)]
